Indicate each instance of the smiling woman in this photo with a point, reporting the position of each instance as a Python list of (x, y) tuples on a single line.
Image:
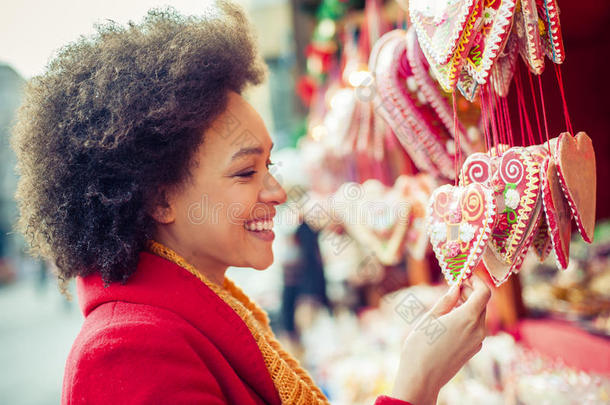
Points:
[(145, 175)]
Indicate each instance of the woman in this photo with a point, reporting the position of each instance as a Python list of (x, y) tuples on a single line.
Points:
[(145, 174)]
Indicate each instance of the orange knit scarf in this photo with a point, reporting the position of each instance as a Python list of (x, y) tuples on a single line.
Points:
[(291, 381)]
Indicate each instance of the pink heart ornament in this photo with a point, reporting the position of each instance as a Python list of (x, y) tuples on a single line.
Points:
[(548, 14), (440, 25), (491, 39), (411, 117), (459, 223), (516, 184), (541, 242), (432, 91), (528, 33)]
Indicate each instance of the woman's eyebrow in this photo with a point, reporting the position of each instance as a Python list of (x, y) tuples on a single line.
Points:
[(256, 150)]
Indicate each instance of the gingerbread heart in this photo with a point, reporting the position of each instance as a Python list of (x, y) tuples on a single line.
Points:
[(504, 68), (448, 74), (557, 212), (407, 111), (440, 24), (423, 82), (527, 30), (550, 32), (489, 41), (516, 185), (530, 234), (576, 168), (468, 87), (459, 223), (478, 168), (541, 243)]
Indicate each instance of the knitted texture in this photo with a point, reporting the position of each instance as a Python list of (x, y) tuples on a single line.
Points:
[(292, 382)]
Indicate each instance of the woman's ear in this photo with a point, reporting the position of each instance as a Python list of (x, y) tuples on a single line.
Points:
[(163, 211)]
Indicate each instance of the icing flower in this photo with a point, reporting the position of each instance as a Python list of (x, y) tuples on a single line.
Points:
[(453, 249), (466, 232), (488, 15), (438, 233), (511, 198)]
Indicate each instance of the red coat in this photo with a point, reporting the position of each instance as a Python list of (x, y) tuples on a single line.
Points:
[(164, 338)]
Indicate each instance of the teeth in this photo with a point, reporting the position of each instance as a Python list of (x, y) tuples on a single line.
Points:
[(259, 225)]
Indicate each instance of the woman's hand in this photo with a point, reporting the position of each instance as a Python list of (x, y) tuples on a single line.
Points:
[(442, 342)]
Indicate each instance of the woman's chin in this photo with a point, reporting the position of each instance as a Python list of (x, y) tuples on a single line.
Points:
[(262, 262)]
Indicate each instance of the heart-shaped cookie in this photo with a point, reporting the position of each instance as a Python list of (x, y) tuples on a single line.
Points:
[(407, 111), (448, 74), (478, 168), (557, 212), (576, 168), (527, 30), (440, 24), (504, 68), (516, 184), (468, 87), (541, 243), (530, 234), (459, 223), (489, 41), (550, 32), (423, 82)]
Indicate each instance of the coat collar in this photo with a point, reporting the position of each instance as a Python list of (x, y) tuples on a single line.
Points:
[(161, 283)]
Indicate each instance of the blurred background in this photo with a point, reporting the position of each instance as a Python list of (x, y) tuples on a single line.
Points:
[(338, 300)]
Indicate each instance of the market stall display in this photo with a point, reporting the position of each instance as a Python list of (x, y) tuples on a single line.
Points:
[(437, 85)]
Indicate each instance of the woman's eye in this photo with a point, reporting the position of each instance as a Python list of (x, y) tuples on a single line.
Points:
[(249, 173), (269, 163)]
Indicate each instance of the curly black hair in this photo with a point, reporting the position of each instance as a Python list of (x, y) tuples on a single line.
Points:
[(115, 119)]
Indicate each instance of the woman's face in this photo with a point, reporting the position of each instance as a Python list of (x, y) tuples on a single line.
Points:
[(224, 215)]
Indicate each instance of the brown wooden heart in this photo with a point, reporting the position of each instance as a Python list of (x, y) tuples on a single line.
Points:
[(576, 168), (557, 212)]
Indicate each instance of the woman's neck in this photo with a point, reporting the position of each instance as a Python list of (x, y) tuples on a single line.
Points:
[(206, 266)]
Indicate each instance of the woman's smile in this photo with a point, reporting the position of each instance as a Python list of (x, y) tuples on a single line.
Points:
[(261, 228)]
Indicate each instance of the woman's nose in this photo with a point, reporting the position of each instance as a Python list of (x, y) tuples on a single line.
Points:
[(272, 191)]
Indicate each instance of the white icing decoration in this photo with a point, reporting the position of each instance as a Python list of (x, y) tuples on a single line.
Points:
[(412, 84), (488, 15), (438, 233), (512, 198), (466, 232)]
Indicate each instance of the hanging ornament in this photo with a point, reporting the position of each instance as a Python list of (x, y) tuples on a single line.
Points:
[(460, 220), (557, 212), (489, 41), (576, 169), (528, 32), (479, 168), (423, 81), (504, 68), (516, 186), (550, 29), (441, 25), (447, 74), (406, 110), (542, 240)]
